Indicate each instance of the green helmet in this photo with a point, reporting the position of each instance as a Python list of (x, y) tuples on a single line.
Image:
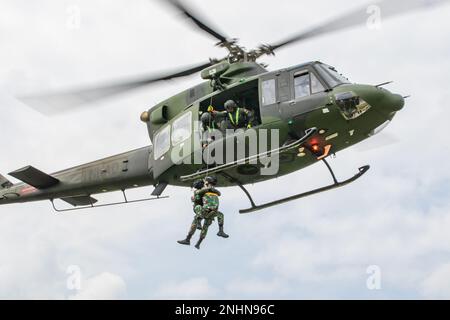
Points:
[(207, 120), (230, 105), (211, 180), (198, 184)]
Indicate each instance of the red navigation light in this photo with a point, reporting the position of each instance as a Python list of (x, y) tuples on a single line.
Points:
[(315, 148)]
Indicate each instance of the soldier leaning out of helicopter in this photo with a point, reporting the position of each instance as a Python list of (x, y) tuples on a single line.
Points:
[(236, 117), (210, 123), (232, 118), (206, 207), (211, 119)]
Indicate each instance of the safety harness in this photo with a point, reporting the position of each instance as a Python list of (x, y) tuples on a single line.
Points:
[(233, 121), (212, 126)]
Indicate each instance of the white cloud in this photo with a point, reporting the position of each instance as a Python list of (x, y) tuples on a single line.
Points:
[(437, 284), (105, 286), (334, 250), (195, 288), (252, 286)]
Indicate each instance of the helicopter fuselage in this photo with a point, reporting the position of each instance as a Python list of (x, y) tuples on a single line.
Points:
[(311, 95)]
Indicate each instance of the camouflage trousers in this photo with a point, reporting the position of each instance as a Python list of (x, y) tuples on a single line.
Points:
[(208, 215), (200, 213)]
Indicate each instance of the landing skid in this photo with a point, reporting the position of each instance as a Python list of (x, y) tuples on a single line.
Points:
[(335, 185)]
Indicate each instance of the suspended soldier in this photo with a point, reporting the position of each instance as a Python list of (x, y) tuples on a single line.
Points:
[(208, 210), (198, 205), (197, 202)]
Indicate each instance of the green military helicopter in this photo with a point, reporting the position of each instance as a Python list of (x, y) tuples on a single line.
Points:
[(314, 111)]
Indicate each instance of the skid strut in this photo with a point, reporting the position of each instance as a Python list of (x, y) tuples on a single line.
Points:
[(336, 184)]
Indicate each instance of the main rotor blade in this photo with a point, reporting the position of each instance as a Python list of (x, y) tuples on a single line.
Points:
[(384, 9), (60, 102), (189, 13)]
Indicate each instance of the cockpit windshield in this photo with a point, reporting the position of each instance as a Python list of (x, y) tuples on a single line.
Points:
[(331, 75)]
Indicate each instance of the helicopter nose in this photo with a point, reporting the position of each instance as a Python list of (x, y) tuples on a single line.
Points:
[(395, 102), (355, 101), (387, 101)]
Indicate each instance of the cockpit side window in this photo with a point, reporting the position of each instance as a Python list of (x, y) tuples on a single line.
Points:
[(331, 76), (302, 85), (306, 83), (316, 85)]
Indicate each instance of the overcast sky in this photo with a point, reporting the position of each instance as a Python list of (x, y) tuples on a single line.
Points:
[(396, 218)]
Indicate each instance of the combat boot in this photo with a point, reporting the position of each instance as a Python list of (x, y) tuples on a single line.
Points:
[(186, 242), (199, 242), (221, 233)]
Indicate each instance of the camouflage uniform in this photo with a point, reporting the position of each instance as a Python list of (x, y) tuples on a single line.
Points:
[(209, 211), (198, 204), (197, 200), (206, 205)]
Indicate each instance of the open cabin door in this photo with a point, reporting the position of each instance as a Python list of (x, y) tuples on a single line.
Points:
[(174, 141)]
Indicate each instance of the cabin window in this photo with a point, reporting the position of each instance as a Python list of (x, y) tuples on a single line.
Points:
[(182, 128), (306, 83), (302, 86), (268, 92), (162, 142)]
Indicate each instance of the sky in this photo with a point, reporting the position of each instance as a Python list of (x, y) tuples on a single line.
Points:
[(391, 225)]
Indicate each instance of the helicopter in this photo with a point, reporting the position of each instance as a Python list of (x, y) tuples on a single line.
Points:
[(309, 112)]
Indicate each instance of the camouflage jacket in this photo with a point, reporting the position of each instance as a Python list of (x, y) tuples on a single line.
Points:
[(210, 197), (197, 199)]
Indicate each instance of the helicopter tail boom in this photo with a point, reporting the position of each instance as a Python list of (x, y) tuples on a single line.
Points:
[(76, 185)]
